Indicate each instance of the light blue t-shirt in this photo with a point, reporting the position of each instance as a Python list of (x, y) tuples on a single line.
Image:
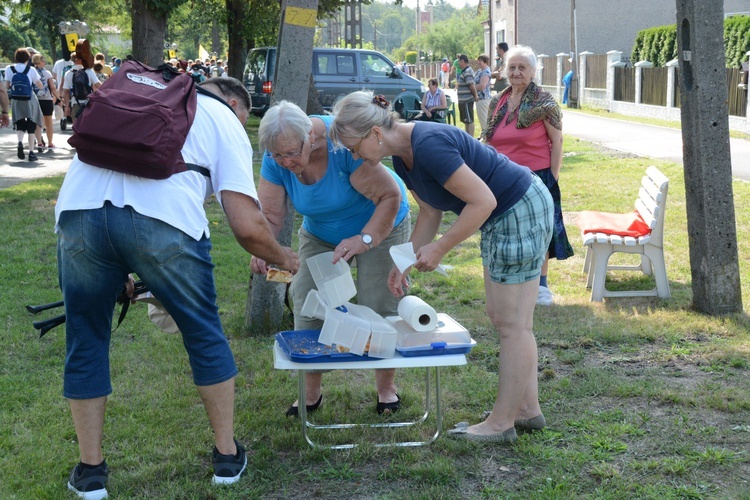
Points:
[(332, 209)]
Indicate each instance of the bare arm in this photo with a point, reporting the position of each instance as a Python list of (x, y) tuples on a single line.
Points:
[(425, 229), (4, 105), (66, 98), (483, 82), (375, 183), (556, 154), (480, 202), (253, 232), (273, 200)]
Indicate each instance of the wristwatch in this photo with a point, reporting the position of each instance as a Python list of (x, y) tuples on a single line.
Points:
[(367, 240)]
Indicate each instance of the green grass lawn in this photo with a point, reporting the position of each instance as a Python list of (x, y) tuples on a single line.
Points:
[(645, 398)]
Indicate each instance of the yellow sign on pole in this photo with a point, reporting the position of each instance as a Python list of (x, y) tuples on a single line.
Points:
[(299, 16), (71, 39), (172, 54)]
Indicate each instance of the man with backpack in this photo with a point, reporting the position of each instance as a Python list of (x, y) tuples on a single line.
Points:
[(111, 223), (19, 79), (78, 84)]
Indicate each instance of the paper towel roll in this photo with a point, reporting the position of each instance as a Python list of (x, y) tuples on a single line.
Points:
[(417, 313)]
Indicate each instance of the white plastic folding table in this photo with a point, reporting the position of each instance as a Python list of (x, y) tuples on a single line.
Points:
[(282, 362)]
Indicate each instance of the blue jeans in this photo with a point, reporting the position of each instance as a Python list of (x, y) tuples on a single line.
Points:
[(96, 250)]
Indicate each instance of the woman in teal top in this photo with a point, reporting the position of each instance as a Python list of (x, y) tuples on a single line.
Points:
[(353, 208)]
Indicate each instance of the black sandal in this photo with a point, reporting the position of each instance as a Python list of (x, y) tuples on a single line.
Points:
[(293, 411), (389, 408)]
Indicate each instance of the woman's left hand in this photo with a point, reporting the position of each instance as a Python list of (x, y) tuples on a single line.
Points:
[(398, 283), (428, 257), (348, 248)]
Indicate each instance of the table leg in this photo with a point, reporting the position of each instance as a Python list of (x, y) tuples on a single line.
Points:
[(307, 425)]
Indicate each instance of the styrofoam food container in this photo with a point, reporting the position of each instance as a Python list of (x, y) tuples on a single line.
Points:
[(313, 307), (448, 331), (346, 330), (334, 281)]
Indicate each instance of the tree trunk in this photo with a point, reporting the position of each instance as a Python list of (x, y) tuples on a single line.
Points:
[(216, 40), (236, 13), (149, 27)]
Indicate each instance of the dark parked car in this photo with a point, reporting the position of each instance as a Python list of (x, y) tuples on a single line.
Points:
[(336, 72)]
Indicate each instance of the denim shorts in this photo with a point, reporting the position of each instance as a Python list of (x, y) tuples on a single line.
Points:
[(96, 250), (514, 243)]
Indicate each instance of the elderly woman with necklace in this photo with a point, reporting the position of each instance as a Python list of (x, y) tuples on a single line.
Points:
[(355, 209), (526, 125)]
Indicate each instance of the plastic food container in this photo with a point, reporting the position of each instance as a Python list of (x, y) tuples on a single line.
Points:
[(383, 339), (313, 307), (334, 281), (344, 329), (448, 338)]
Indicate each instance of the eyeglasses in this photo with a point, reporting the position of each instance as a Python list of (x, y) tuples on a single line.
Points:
[(289, 156), (355, 149)]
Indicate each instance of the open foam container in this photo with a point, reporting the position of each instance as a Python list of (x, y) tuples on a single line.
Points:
[(448, 337)]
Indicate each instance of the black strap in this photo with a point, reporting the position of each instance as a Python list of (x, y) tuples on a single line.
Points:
[(192, 166), (197, 168)]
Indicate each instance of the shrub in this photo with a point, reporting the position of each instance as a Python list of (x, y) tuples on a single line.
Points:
[(659, 44)]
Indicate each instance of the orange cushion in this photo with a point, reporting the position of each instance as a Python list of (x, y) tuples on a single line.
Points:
[(629, 224)]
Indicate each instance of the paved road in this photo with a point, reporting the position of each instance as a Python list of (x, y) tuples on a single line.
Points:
[(14, 171), (645, 140)]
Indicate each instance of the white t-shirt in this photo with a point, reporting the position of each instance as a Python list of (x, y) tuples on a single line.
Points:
[(217, 141), (32, 75), (68, 80), (60, 69)]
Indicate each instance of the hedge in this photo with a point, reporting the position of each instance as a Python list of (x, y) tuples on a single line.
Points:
[(659, 44)]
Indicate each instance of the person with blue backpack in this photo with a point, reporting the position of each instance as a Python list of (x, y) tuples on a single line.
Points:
[(19, 79)]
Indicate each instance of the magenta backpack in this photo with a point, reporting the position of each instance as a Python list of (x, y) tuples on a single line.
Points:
[(137, 122)]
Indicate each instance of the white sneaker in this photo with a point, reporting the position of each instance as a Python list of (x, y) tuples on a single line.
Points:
[(545, 297)]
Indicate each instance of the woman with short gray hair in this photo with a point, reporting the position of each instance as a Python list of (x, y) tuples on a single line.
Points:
[(355, 209)]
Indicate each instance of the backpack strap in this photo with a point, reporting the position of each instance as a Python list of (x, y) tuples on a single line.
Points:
[(192, 166), (197, 168), (13, 69), (28, 67)]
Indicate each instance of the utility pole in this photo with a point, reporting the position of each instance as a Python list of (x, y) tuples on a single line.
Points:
[(712, 233), (573, 97), (419, 34)]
